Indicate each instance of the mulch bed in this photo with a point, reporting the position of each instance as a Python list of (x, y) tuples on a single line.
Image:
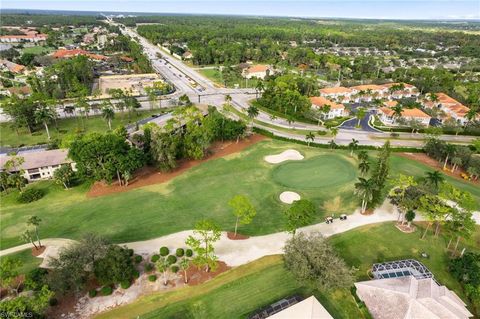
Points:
[(425, 159), (232, 236), (368, 212), (39, 251), (150, 175), (198, 276)]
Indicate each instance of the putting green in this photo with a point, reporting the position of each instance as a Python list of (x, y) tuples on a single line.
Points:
[(324, 171)]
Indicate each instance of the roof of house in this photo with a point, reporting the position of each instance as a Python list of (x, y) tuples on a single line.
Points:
[(405, 112), (366, 87), (309, 308), (12, 67), (445, 99), (126, 59), (320, 101), (257, 68), (409, 298), (39, 159), (453, 105), (390, 103), (60, 54), (336, 90), (22, 90)]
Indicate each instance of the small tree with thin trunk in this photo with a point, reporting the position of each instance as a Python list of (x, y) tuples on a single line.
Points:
[(35, 222), (410, 216), (243, 210), (162, 266), (301, 213), (63, 175), (28, 237), (206, 233), (184, 264)]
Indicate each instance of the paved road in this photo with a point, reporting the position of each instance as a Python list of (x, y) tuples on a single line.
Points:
[(364, 124)]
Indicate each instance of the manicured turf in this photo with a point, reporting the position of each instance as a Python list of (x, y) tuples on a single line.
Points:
[(243, 290), (29, 262), (235, 294), (202, 192), (320, 173), (66, 126), (216, 76), (37, 50)]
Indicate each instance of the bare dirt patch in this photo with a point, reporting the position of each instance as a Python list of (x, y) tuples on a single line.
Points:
[(425, 159), (36, 252), (150, 175), (405, 229), (232, 236), (198, 276)]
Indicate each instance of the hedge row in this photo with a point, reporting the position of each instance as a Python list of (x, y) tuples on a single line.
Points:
[(344, 147)]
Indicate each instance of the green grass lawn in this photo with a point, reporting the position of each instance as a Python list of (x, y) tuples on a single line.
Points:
[(29, 262), (66, 126), (37, 50), (202, 192), (216, 76), (235, 294), (245, 289)]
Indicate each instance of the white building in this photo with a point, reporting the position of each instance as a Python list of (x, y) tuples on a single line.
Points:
[(410, 298), (388, 116), (40, 165), (336, 109), (256, 71), (368, 92), (23, 38), (453, 108), (343, 94), (309, 308)]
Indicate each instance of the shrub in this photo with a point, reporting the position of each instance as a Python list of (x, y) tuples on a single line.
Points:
[(36, 278), (180, 252), (171, 259), (148, 267), (138, 259), (130, 252), (125, 284), (92, 293), (136, 274), (106, 290), (152, 278), (164, 251), (189, 253), (155, 258), (53, 302), (30, 195), (174, 269)]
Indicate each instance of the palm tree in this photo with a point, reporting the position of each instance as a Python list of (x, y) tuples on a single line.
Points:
[(108, 114), (434, 178), (362, 156), (228, 99), (365, 188), (353, 146), (334, 132), (259, 87), (397, 111), (471, 115), (332, 144), (44, 114), (162, 266), (360, 114), (456, 161), (325, 110), (252, 113), (364, 167), (310, 137), (450, 150)]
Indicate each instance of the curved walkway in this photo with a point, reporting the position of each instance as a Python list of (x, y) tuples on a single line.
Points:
[(236, 252)]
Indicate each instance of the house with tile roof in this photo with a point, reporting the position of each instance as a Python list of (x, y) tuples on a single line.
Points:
[(23, 38), (387, 116), (339, 93), (336, 109), (258, 71), (409, 297), (66, 54), (453, 108), (12, 67)]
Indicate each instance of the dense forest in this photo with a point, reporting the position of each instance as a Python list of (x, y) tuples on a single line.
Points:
[(52, 20)]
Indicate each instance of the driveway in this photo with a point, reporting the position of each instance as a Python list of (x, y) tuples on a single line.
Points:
[(364, 126)]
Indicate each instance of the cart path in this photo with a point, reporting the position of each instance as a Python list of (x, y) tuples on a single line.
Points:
[(236, 252)]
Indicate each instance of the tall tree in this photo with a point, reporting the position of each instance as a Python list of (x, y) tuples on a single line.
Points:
[(45, 114), (35, 222), (365, 189), (353, 145), (301, 213)]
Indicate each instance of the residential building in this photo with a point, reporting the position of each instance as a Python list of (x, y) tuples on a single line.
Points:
[(339, 93), (256, 71), (309, 308), (40, 165), (336, 109), (409, 297), (387, 116), (12, 67), (19, 90), (453, 108), (187, 55), (23, 38), (368, 92), (407, 91)]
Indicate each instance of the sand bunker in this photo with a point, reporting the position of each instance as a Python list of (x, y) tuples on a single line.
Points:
[(288, 155), (289, 197)]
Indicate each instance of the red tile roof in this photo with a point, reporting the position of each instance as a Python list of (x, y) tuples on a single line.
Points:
[(320, 101), (65, 54)]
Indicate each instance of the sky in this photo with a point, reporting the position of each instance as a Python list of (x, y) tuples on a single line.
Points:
[(375, 9)]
